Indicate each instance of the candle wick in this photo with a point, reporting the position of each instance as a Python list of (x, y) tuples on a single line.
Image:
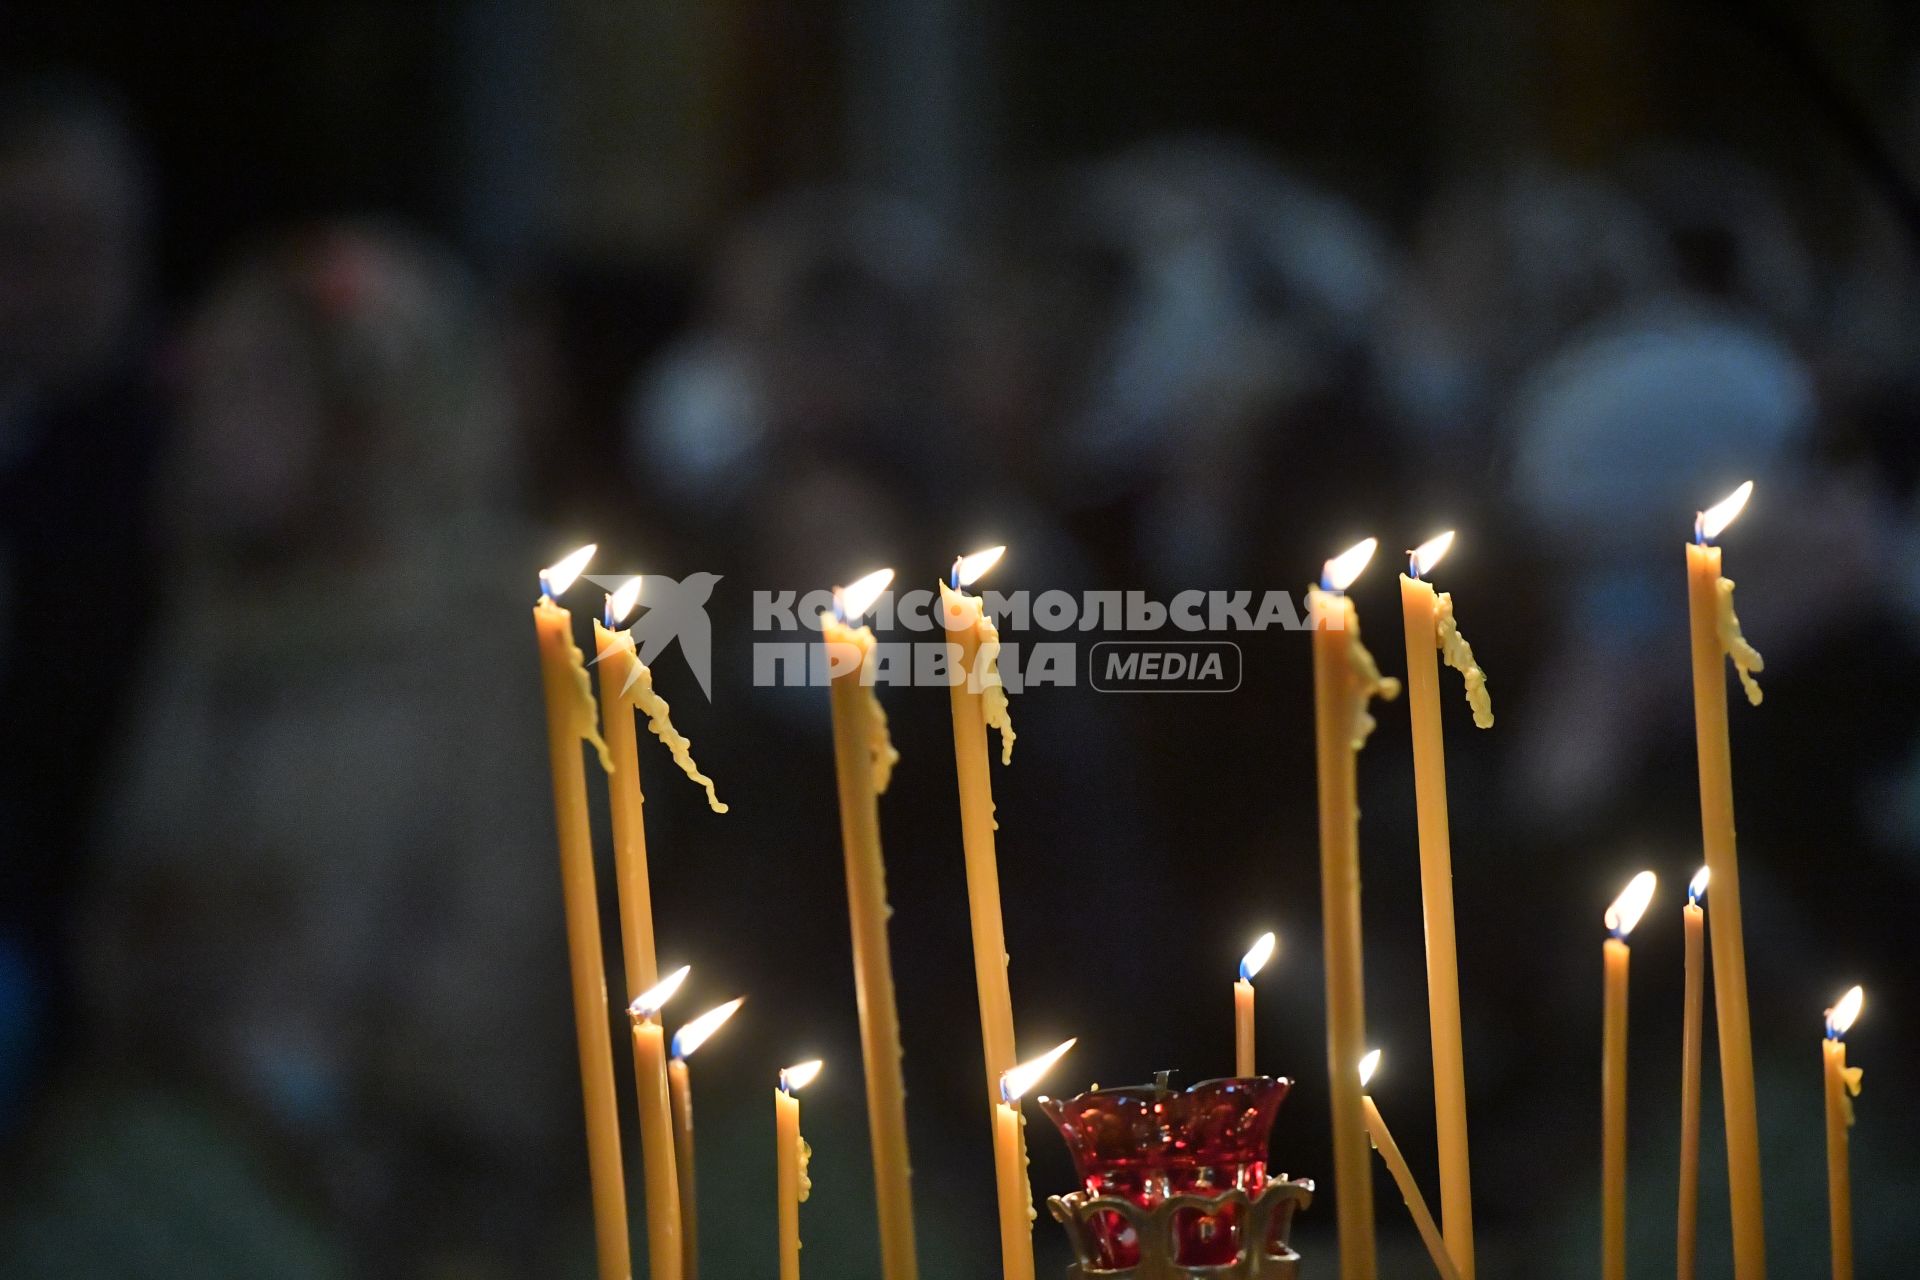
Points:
[(1700, 528)]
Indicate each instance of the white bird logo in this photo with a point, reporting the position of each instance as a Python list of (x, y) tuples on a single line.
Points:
[(672, 610)]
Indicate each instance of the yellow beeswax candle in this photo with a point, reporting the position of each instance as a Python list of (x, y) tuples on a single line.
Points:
[(664, 1252), (1431, 631), (1345, 680), (973, 642), (1841, 1082), (1015, 1189), (1694, 922), (1250, 964), (570, 719), (863, 763), (1620, 919), (614, 657), (1396, 1163), (680, 1091), (790, 1161), (1709, 606)]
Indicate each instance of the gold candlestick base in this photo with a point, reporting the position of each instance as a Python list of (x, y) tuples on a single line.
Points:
[(1262, 1251)]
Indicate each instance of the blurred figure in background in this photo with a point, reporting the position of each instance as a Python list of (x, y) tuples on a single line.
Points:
[(80, 428), (1506, 267), (326, 906)]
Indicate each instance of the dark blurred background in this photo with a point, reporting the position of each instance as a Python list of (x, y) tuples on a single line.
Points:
[(323, 326)]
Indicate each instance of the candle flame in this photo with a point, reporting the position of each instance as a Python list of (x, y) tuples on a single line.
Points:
[(1631, 904), (1016, 1082), (1340, 571), (620, 604), (654, 999), (1709, 524), (968, 570), (799, 1076), (1698, 885), (556, 578), (855, 600), (1369, 1065), (1421, 559), (1840, 1017), (696, 1032), (1257, 956)]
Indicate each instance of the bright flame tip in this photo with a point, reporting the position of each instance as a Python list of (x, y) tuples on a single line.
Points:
[(654, 999), (1257, 956), (620, 604), (1631, 904), (1424, 557), (856, 599), (697, 1031), (1714, 520), (1841, 1017), (1015, 1083), (1369, 1065), (969, 569), (563, 573), (800, 1075), (1340, 572), (1698, 885)]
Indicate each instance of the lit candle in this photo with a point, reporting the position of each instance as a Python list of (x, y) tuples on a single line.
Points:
[(1250, 964), (680, 1090), (791, 1154), (656, 1128), (1431, 633), (1620, 919), (1841, 1081), (1010, 1164), (570, 719), (979, 701), (1695, 921), (1403, 1176), (1715, 636), (626, 684), (1345, 680), (863, 758)]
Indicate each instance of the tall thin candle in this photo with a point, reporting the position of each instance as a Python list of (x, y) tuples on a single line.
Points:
[(790, 1156), (680, 1090), (863, 757), (626, 686), (664, 1254), (1620, 919), (1010, 1165), (1396, 1164), (978, 702), (1430, 632), (1715, 633), (570, 719), (1841, 1081), (1693, 920), (1250, 964), (1345, 680), (615, 658)]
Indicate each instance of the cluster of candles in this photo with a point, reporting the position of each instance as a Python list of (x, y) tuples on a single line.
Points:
[(864, 759), (1346, 680)]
